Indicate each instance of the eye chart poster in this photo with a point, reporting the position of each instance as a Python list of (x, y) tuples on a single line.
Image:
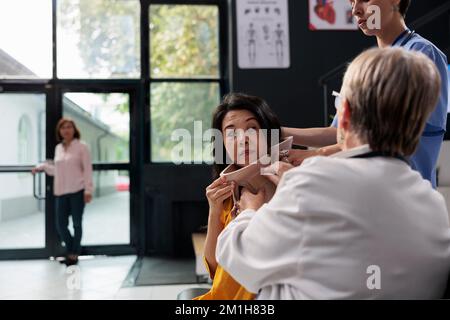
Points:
[(331, 15), (263, 34)]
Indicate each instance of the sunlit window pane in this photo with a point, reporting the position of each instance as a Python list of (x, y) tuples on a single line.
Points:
[(106, 220), (25, 39), (22, 218), (184, 41), (104, 123), (176, 106), (22, 128), (98, 38)]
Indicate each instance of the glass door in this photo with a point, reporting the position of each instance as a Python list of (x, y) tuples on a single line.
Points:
[(22, 195), (104, 123), (107, 116)]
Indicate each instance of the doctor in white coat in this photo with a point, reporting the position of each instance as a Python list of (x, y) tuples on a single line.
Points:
[(361, 224)]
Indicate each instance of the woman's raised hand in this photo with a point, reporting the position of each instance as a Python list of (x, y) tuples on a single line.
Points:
[(217, 192)]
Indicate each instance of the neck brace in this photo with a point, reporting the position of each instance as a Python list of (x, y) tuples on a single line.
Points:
[(250, 177)]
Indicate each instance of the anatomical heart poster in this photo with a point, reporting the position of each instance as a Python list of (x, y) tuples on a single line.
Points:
[(331, 15), (263, 34)]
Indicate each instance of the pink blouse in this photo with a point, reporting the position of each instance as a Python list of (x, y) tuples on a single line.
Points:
[(72, 169)]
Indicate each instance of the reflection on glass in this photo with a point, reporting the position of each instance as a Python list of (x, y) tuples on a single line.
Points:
[(26, 39), (106, 220), (104, 123), (98, 38), (22, 128), (22, 218), (184, 41), (177, 106)]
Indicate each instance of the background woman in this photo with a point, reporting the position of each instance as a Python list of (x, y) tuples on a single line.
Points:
[(72, 171)]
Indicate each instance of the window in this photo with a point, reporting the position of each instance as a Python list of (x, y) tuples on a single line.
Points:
[(106, 220), (24, 141), (98, 38), (184, 41), (185, 74), (22, 218), (104, 122), (26, 39)]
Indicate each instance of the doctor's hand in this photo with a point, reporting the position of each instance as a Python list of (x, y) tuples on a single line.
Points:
[(251, 201), (275, 171)]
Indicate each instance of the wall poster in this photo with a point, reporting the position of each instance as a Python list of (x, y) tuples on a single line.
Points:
[(263, 34), (331, 15)]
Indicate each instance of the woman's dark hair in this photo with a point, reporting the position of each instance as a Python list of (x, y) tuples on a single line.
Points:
[(238, 101), (61, 122), (404, 6)]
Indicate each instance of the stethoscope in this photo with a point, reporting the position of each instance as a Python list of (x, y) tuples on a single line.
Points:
[(405, 41)]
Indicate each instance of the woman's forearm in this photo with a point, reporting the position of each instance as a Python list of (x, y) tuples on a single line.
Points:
[(311, 137), (215, 227), (49, 169)]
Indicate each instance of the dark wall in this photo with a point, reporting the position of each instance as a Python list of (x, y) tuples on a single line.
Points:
[(175, 207), (294, 93)]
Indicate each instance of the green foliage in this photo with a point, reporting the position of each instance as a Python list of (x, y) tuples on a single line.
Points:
[(177, 106), (184, 41), (109, 32)]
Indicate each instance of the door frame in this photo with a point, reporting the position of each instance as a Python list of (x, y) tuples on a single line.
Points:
[(134, 166)]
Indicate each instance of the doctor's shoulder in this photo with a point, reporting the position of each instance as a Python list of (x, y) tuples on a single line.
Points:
[(315, 167)]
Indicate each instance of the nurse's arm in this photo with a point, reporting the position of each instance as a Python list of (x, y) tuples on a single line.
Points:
[(297, 156), (311, 137), (259, 248)]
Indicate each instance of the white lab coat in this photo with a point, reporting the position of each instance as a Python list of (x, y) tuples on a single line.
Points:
[(330, 222)]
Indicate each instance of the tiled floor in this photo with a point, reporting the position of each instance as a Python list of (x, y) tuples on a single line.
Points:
[(96, 278)]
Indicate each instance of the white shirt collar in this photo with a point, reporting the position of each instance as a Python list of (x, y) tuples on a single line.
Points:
[(353, 152)]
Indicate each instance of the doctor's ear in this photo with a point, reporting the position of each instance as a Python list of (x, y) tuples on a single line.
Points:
[(344, 115)]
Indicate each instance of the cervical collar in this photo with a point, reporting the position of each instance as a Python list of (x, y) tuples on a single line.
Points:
[(250, 177)]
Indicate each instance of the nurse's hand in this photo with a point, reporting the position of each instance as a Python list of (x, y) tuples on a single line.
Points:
[(251, 201), (297, 156), (275, 171)]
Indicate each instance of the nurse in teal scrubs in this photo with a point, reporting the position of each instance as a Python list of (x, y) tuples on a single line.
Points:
[(393, 32)]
